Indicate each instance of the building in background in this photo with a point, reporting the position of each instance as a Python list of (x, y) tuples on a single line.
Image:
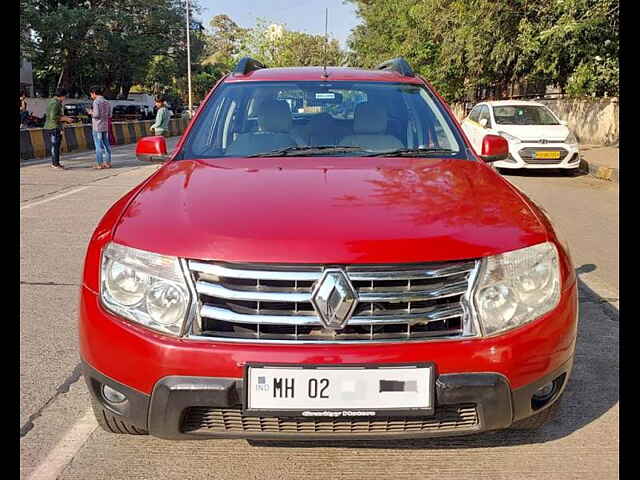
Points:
[(26, 77)]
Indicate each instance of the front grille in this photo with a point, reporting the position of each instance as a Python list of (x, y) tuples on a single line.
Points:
[(544, 141), (528, 154), (210, 420), (268, 302)]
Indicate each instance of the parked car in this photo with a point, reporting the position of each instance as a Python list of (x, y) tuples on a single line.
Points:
[(305, 277), (78, 112), (537, 137), (33, 121), (123, 113)]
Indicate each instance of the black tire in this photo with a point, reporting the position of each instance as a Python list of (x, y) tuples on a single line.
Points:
[(113, 423), (539, 419)]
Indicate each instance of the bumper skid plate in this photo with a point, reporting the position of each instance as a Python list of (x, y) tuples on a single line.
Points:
[(182, 407)]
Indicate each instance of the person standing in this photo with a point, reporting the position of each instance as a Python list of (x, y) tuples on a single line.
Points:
[(23, 110), (161, 125), (100, 114), (53, 126)]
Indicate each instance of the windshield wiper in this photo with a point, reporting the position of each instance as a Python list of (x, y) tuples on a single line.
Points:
[(303, 151), (411, 152)]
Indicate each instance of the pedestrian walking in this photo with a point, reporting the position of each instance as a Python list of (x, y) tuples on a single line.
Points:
[(23, 110), (54, 124), (161, 125), (100, 115)]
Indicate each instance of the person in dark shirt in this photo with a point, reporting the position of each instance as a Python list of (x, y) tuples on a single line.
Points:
[(53, 125)]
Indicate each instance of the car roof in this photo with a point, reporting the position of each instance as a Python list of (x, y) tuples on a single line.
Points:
[(338, 74), (498, 103)]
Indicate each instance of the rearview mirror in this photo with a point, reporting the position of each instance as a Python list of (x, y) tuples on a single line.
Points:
[(152, 149), (494, 148)]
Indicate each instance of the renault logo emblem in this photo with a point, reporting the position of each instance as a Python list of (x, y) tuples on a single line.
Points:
[(334, 298)]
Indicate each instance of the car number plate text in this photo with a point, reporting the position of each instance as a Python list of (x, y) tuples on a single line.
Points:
[(551, 155), (339, 391)]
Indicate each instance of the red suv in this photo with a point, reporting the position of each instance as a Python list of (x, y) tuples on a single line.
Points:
[(324, 255)]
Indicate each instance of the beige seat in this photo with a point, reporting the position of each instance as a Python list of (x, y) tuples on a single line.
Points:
[(369, 128), (274, 121)]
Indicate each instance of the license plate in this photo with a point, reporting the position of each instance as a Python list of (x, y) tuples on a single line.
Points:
[(549, 154), (333, 391)]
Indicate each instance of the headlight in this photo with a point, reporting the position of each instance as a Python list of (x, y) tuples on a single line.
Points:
[(516, 287), (571, 139), (509, 138), (144, 287)]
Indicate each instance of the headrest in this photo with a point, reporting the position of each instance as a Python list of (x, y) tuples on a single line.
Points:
[(274, 116), (369, 118), (320, 120)]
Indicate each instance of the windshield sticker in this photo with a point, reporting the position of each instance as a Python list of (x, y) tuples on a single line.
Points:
[(325, 96)]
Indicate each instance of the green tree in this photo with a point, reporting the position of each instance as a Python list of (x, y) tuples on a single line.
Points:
[(464, 46), (224, 42), (102, 41), (276, 46)]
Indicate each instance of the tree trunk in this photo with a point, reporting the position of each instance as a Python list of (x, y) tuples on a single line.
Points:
[(126, 86)]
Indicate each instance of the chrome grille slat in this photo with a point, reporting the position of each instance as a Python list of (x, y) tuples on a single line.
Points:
[(412, 318), (414, 296), (411, 274), (222, 271), (220, 291), (208, 311), (256, 302)]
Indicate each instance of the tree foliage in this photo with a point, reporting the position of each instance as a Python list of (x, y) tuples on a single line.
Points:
[(463, 46), (277, 46), (224, 42), (115, 43), (270, 43)]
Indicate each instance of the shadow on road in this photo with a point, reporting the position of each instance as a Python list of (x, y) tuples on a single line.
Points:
[(592, 390), (544, 173)]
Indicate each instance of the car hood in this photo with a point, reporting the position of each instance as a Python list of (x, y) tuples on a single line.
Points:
[(535, 132), (328, 210)]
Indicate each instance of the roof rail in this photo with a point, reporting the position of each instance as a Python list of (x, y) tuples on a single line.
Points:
[(246, 65), (399, 65)]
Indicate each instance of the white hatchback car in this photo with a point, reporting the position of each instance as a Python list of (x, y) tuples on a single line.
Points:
[(537, 138)]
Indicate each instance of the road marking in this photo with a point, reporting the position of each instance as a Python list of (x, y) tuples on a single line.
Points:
[(66, 448), (40, 202)]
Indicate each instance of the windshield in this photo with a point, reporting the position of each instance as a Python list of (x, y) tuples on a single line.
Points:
[(252, 118), (524, 115)]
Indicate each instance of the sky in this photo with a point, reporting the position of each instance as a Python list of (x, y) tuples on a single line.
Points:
[(300, 15)]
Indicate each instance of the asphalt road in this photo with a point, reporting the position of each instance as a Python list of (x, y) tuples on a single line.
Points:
[(59, 439)]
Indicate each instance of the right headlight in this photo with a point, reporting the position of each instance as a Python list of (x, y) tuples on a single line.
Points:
[(517, 287), (144, 287)]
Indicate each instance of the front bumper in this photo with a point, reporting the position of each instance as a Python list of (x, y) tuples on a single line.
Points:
[(517, 158), (183, 408), (182, 388)]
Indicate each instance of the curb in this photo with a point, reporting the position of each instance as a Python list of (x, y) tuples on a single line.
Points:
[(598, 171), (36, 144)]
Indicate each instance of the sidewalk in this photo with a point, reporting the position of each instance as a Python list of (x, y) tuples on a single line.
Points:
[(601, 162)]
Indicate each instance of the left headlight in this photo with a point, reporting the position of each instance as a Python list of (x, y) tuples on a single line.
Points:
[(517, 287), (571, 139), (510, 138), (144, 287)]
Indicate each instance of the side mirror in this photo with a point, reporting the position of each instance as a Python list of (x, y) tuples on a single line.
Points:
[(152, 149), (483, 122), (494, 148)]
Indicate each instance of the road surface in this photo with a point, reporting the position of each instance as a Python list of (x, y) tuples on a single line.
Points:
[(59, 438)]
